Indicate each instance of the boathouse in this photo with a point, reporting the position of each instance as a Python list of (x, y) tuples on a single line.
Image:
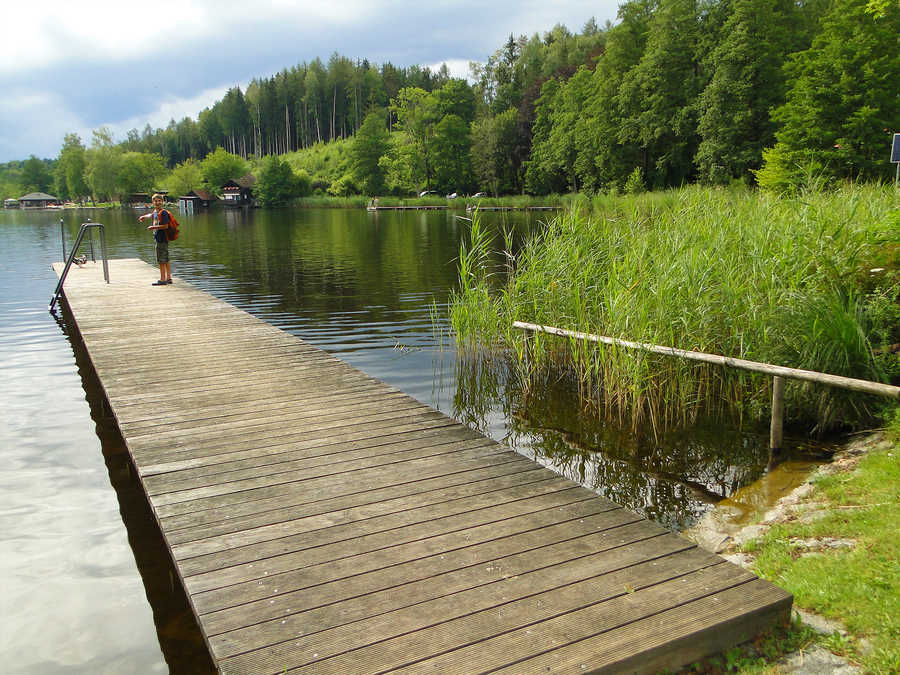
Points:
[(37, 200), (11, 203), (239, 192), (196, 199)]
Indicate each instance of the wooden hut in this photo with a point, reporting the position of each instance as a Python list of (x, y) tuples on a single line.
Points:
[(196, 199), (239, 192), (38, 200)]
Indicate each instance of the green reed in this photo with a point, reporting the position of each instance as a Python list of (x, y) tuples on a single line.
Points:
[(733, 272)]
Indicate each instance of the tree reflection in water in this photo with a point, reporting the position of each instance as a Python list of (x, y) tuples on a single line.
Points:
[(672, 478)]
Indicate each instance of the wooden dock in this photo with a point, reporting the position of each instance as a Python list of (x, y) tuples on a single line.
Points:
[(406, 208), (478, 207), (324, 522)]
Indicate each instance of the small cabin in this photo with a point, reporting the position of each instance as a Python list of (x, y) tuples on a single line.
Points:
[(38, 200), (239, 192), (196, 199), (10, 203)]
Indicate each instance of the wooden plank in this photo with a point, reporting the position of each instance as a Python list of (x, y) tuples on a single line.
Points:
[(322, 521)]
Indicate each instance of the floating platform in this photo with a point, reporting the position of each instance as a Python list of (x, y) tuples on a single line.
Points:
[(321, 521)]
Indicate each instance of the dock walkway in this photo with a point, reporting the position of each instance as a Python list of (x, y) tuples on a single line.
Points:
[(321, 521)]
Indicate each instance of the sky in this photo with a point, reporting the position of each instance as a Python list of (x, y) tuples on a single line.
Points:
[(74, 66)]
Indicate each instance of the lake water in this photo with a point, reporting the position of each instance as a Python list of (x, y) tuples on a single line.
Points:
[(88, 585)]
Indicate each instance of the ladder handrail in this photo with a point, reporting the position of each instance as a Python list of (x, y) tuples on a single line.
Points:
[(85, 227)]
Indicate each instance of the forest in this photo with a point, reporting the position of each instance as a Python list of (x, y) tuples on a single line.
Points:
[(760, 92)]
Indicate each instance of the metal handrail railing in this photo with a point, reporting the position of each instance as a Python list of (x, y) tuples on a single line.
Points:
[(85, 227)]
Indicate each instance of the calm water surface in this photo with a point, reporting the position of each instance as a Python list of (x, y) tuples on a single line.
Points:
[(87, 577)]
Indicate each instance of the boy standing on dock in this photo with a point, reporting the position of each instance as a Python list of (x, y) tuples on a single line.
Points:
[(160, 223)]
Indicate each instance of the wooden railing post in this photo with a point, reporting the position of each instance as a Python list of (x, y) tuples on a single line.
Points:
[(776, 426)]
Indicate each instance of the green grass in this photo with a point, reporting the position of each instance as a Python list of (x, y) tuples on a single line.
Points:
[(762, 654), (732, 272), (859, 587)]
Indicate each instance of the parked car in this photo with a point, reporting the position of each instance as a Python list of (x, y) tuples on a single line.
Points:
[(427, 192), (452, 195), (480, 194)]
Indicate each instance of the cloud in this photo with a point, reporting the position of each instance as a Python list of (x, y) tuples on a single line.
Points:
[(75, 66), (169, 108)]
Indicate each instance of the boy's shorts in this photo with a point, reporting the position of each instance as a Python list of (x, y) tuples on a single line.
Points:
[(162, 252)]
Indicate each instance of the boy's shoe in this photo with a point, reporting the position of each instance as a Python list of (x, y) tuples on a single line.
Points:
[(158, 283), (168, 281)]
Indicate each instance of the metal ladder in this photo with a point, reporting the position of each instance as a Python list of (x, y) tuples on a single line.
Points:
[(85, 227)]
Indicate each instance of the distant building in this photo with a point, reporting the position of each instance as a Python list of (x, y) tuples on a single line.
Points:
[(138, 198), (239, 192), (37, 200), (10, 203), (196, 199)]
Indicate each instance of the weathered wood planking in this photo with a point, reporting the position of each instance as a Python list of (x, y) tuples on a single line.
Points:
[(322, 521)]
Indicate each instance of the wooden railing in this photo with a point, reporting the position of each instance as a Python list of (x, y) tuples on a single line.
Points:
[(779, 373)]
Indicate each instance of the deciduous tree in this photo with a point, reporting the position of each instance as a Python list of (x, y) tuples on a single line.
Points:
[(220, 166), (36, 175), (371, 143), (276, 184)]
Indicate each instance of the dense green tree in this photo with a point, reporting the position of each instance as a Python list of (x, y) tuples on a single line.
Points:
[(220, 166), (401, 165), (589, 120), (102, 169), (313, 98), (185, 177), (747, 81), (70, 169), (543, 173), (452, 163), (10, 180), (492, 166), (455, 98), (276, 184), (486, 152), (234, 118), (554, 150), (677, 89), (842, 102), (370, 144), (139, 172), (657, 96), (36, 175), (209, 128), (416, 116)]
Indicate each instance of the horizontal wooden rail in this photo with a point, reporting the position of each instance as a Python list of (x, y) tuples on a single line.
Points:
[(777, 372), (866, 386)]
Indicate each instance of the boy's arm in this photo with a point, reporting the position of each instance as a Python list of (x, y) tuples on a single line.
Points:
[(146, 215), (163, 220)]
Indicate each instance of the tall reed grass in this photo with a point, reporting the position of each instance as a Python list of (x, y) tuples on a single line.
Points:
[(788, 281)]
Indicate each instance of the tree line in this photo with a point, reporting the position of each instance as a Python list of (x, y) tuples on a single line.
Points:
[(676, 91)]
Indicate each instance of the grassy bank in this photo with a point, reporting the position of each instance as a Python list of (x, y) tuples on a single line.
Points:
[(855, 581), (809, 282), (837, 553)]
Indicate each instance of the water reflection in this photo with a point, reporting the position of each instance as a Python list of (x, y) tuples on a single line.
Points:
[(370, 288), (179, 635), (672, 478)]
